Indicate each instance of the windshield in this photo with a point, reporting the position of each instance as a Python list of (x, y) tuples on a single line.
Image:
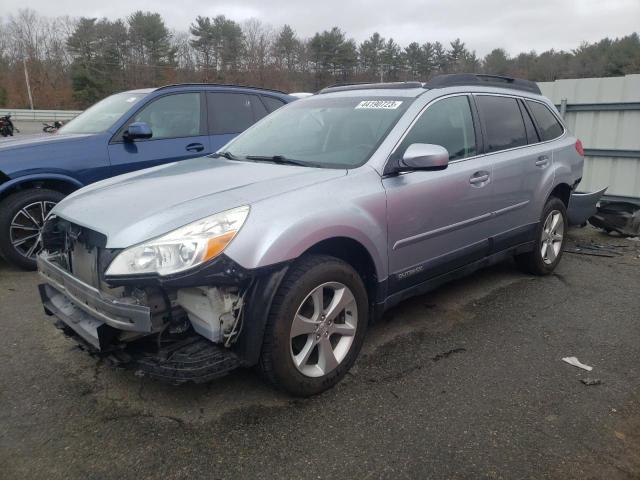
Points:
[(103, 114), (332, 132)]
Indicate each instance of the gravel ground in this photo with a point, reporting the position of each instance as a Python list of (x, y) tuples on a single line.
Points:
[(465, 382)]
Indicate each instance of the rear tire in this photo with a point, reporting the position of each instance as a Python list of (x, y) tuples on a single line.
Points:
[(15, 226), (316, 326), (550, 240)]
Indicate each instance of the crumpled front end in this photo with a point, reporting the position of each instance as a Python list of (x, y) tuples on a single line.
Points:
[(173, 328)]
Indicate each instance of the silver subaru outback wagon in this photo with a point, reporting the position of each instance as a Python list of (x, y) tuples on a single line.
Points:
[(281, 248)]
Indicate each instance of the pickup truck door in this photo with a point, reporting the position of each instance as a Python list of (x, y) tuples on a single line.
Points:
[(179, 125)]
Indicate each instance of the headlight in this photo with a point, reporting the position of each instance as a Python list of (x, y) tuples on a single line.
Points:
[(183, 248)]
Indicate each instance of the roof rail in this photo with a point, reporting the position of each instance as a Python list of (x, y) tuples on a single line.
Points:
[(195, 84), (461, 79), (340, 87)]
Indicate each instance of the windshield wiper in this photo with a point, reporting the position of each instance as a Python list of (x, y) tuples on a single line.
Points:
[(227, 155), (280, 160)]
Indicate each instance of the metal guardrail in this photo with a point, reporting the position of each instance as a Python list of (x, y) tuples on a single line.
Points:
[(39, 115)]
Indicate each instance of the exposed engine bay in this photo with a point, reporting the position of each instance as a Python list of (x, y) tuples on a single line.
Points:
[(179, 334)]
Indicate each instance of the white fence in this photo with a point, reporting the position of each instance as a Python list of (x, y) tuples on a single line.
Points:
[(605, 114), (39, 115)]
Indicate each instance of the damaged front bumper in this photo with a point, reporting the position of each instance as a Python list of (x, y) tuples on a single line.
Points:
[(192, 326), (83, 308), (99, 321)]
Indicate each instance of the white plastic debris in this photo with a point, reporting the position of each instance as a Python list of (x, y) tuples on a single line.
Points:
[(576, 363)]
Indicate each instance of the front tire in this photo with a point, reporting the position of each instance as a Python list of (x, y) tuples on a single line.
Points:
[(22, 215), (317, 323), (550, 240)]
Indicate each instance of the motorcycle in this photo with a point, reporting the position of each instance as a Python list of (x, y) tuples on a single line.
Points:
[(7, 128), (52, 128)]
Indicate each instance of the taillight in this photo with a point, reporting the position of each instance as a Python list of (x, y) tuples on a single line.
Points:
[(579, 148)]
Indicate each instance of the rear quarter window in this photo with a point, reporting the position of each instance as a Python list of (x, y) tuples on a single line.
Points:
[(272, 103), (548, 125), (503, 123)]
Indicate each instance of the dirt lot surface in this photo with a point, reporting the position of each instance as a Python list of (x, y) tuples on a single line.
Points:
[(466, 382)]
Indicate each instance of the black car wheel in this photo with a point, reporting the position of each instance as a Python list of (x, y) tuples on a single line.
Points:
[(550, 240), (22, 215), (317, 323)]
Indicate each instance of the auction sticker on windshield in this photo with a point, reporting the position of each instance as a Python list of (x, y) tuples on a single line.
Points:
[(380, 104)]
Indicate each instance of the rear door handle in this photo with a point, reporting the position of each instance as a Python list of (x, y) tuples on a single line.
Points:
[(479, 178), (542, 161), (195, 147)]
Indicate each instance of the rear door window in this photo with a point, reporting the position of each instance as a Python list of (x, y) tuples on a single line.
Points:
[(503, 123), (447, 123), (230, 112), (548, 124)]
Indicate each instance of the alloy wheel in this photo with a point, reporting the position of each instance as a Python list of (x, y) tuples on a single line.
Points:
[(26, 226), (552, 236), (323, 329)]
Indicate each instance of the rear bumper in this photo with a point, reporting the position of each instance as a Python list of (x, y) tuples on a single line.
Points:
[(85, 309), (582, 206)]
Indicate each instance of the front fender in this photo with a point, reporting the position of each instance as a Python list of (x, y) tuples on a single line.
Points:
[(38, 177), (281, 228)]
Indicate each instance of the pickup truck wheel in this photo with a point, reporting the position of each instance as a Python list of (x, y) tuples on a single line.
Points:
[(550, 240), (316, 326), (21, 218)]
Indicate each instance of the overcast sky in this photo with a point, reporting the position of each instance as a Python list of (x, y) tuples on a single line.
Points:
[(516, 25)]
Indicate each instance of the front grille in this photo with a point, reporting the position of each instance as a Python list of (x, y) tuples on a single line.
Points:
[(78, 250)]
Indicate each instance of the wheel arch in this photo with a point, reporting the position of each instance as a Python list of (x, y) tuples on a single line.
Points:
[(354, 253), (263, 290), (58, 182), (563, 192)]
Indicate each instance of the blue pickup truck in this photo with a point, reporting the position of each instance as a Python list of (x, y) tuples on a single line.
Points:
[(124, 132)]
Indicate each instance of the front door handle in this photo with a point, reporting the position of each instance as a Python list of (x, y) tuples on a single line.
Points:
[(542, 161), (195, 147), (479, 178)]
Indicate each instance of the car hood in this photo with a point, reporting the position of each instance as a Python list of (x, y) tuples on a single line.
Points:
[(136, 207), (39, 139)]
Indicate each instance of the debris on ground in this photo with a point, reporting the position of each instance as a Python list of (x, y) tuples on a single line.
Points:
[(595, 250), (576, 363), (620, 217), (442, 355), (591, 381)]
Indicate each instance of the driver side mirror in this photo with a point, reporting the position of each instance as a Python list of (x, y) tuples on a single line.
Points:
[(424, 156), (137, 131)]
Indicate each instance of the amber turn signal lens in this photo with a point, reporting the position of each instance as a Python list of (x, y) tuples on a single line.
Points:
[(216, 245)]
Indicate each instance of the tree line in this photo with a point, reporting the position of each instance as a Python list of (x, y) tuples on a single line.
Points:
[(73, 62)]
